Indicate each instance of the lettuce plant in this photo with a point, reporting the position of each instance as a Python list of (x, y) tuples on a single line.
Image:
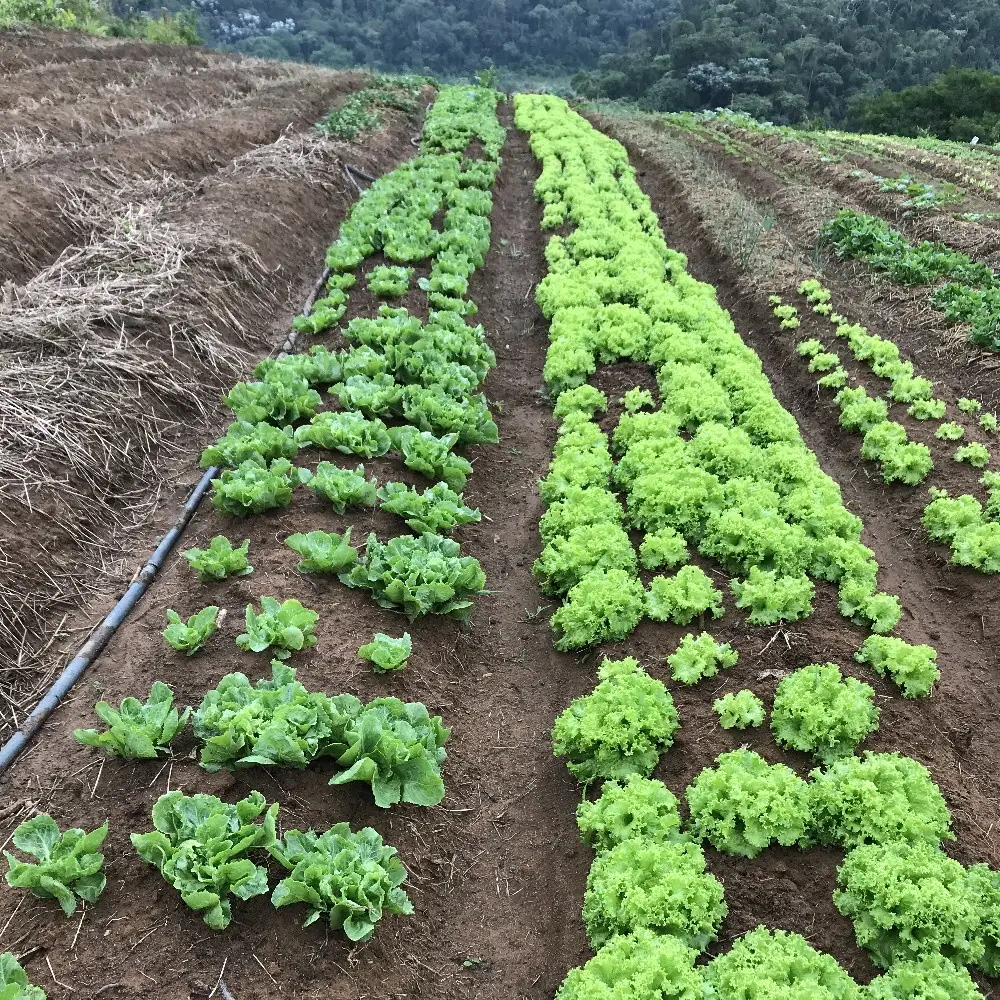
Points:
[(566, 560), (950, 432), (606, 605), (579, 506), (984, 885), (683, 597), (820, 712), (620, 728), (398, 749), (697, 658), (437, 510), (137, 731), (342, 487), (662, 887), (744, 804), (244, 441), (634, 808), (665, 547), (909, 900), (14, 983), (769, 597), (766, 964), (739, 710), (389, 282), (877, 798), (386, 653), (200, 845), (930, 976), (67, 865), (280, 626), (350, 879), (346, 432), (189, 637), (273, 722), (220, 560), (282, 397), (912, 668), (432, 456), (975, 454), (927, 409), (323, 551), (425, 575), (988, 422), (252, 488), (630, 965)]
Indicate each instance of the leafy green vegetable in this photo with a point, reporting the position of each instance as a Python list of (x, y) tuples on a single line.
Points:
[(907, 901), (636, 399), (567, 559), (819, 711), (983, 885), (950, 432), (662, 887), (137, 731), (768, 965), (425, 575), (665, 547), (190, 637), (432, 456), (877, 798), (252, 488), (244, 441), (220, 560), (200, 845), (771, 598), (683, 597), (282, 397), (606, 605), (276, 721), (744, 804), (67, 865), (397, 748), (389, 282), (635, 808), (280, 626), (386, 653), (974, 454), (739, 710), (323, 551), (342, 487), (437, 510), (347, 432), (620, 728), (351, 879), (912, 668), (697, 658), (931, 977), (14, 983), (988, 422)]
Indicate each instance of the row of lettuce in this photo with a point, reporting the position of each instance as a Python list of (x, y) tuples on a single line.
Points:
[(721, 468), (402, 385)]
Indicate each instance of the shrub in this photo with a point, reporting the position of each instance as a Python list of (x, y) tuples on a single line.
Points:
[(637, 807)]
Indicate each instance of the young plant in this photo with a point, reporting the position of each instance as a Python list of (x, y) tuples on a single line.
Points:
[(620, 728), (137, 731), (975, 454), (566, 560), (350, 879), (189, 637), (432, 456), (969, 405), (635, 808), (637, 399), (771, 598), (386, 653), (253, 488), (282, 397), (606, 605), (220, 560), (950, 432), (912, 668), (665, 547), (929, 976), (389, 282), (347, 432), (14, 983), (927, 409), (683, 597), (200, 845), (281, 627), (342, 487), (988, 422), (323, 551), (697, 658), (739, 710), (437, 510)]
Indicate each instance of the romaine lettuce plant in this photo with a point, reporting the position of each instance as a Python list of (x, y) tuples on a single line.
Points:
[(323, 551), (350, 879), (137, 731), (620, 728), (432, 456), (386, 653), (346, 432), (189, 637), (244, 441), (220, 560), (342, 487), (389, 282), (697, 658), (281, 626), (437, 510), (739, 710), (200, 845), (252, 488), (635, 808), (14, 983), (281, 398), (67, 865)]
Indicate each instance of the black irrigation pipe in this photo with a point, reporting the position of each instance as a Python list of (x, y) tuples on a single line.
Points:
[(100, 637)]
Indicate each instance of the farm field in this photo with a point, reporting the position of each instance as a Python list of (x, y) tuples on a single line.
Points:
[(652, 456)]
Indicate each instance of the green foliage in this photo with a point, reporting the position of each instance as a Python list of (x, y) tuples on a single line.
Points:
[(200, 845), (244, 441), (350, 879), (280, 398), (662, 887), (766, 965), (620, 728), (343, 487), (931, 977), (323, 551), (988, 422), (907, 901), (697, 658), (683, 597), (137, 731), (438, 510), (252, 488), (347, 432), (820, 712), (386, 653), (567, 559), (927, 409), (739, 710), (665, 547), (432, 456), (637, 399), (66, 866), (274, 722), (280, 626), (744, 804), (877, 798), (421, 575), (975, 454), (14, 983), (634, 965), (191, 636), (770, 597), (389, 282), (912, 668), (967, 405), (950, 432), (606, 605), (220, 560), (634, 808), (398, 749), (585, 399)]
